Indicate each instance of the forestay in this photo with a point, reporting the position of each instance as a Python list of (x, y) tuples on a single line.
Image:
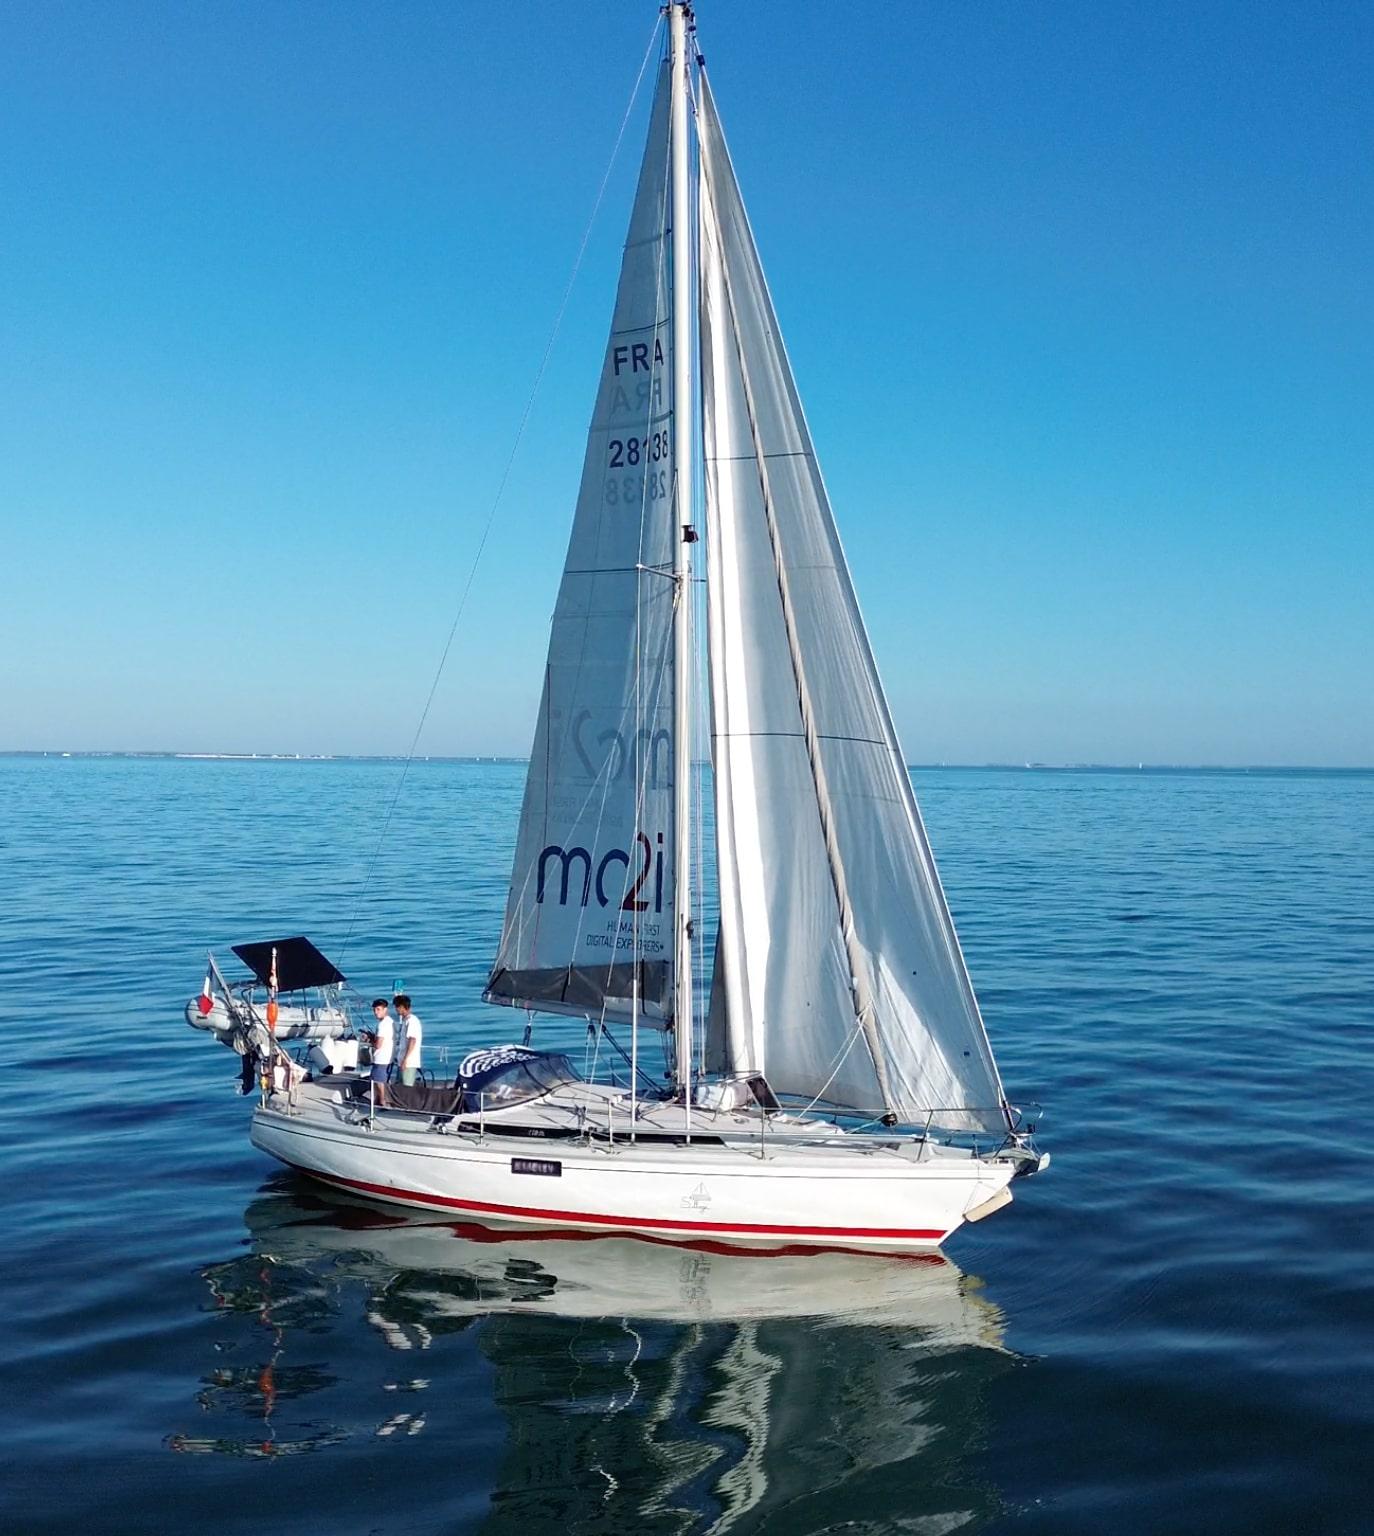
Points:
[(589, 909), (838, 973)]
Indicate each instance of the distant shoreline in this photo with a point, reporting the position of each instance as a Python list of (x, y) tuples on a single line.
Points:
[(520, 762)]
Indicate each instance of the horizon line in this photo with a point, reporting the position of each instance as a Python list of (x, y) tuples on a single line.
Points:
[(512, 760)]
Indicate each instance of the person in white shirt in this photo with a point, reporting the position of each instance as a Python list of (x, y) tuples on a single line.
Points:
[(383, 1047), (412, 1037)]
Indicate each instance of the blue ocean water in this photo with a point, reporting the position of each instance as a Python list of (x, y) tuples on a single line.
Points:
[(1172, 1331)]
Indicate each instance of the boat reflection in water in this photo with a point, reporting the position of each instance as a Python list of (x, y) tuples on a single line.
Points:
[(594, 1383)]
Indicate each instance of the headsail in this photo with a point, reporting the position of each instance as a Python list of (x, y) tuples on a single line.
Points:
[(839, 973), (589, 915)]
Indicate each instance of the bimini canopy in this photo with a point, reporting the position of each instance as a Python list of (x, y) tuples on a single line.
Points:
[(299, 964)]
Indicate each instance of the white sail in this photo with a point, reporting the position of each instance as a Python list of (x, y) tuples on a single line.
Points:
[(839, 974), (589, 913)]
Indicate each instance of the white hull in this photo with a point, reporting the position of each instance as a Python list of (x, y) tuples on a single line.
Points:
[(841, 1191)]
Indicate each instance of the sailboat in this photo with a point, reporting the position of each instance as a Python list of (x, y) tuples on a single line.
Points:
[(829, 1081)]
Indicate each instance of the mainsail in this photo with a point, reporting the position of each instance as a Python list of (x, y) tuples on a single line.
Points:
[(589, 916), (838, 971)]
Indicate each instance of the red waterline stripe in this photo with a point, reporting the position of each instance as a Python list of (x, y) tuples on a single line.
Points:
[(447, 1202)]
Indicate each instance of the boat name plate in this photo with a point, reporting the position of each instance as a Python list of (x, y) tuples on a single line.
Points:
[(546, 1166)]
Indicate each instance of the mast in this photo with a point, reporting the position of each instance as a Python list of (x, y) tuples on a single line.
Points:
[(678, 13)]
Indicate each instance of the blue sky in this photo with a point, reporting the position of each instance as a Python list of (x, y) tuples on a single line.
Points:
[(1078, 297)]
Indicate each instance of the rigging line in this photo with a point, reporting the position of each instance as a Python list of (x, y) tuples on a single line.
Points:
[(604, 775), (620, 1051), (748, 458), (708, 899), (858, 741), (835, 1071), (603, 779), (366, 882), (636, 969), (644, 504), (600, 1028), (860, 981), (700, 617), (640, 776), (615, 570)]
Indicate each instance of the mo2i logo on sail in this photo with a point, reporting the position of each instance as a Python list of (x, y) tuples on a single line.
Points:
[(574, 880)]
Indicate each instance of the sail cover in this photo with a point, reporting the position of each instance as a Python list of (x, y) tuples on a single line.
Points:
[(589, 916), (838, 971)]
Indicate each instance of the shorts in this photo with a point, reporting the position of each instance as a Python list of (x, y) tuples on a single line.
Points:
[(408, 1076), (379, 1072)]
